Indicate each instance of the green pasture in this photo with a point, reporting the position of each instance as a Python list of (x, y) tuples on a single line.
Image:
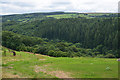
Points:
[(28, 65), (86, 15)]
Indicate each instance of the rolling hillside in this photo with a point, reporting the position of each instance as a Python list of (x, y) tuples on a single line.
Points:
[(29, 65), (93, 31), (60, 45)]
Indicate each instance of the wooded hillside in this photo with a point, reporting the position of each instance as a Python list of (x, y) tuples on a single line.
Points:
[(99, 33)]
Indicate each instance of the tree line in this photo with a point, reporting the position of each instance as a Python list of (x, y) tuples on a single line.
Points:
[(89, 32), (55, 48)]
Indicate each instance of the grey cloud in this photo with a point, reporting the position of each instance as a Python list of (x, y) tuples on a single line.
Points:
[(4, 2), (11, 10), (61, 3), (119, 7), (57, 4), (21, 4)]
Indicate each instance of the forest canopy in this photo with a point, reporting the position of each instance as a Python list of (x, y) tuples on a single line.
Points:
[(63, 37)]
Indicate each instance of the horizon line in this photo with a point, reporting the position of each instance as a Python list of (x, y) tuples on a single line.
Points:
[(58, 12)]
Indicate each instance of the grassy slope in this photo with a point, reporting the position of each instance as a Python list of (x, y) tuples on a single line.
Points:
[(39, 66), (40, 16), (88, 16)]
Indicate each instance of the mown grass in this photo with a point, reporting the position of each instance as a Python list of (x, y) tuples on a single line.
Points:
[(24, 64)]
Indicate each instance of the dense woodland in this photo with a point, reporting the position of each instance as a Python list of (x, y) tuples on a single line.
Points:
[(64, 37)]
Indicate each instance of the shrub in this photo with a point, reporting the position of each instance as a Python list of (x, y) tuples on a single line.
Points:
[(51, 53), (110, 56)]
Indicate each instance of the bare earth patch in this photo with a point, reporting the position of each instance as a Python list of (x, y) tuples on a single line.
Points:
[(58, 74), (9, 75), (37, 54), (31, 53), (42, 59), (12, 60)]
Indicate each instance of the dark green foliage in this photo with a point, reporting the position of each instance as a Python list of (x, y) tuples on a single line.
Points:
[(52, 48), (4, 53), (62, 37), (110, 56), (100, 31)]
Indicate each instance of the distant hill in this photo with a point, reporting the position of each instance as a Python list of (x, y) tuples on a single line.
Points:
[(40, 16)]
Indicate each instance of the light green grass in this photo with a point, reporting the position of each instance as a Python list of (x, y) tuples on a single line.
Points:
[(77, 15), (84, 67), (63, 16), (87, 67), (22, 63)]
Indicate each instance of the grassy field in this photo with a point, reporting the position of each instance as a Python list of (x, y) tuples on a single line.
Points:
[(28, 65), (63, 16), (88, 16)]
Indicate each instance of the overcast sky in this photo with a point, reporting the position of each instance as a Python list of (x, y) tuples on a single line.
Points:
[(31, 6)]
